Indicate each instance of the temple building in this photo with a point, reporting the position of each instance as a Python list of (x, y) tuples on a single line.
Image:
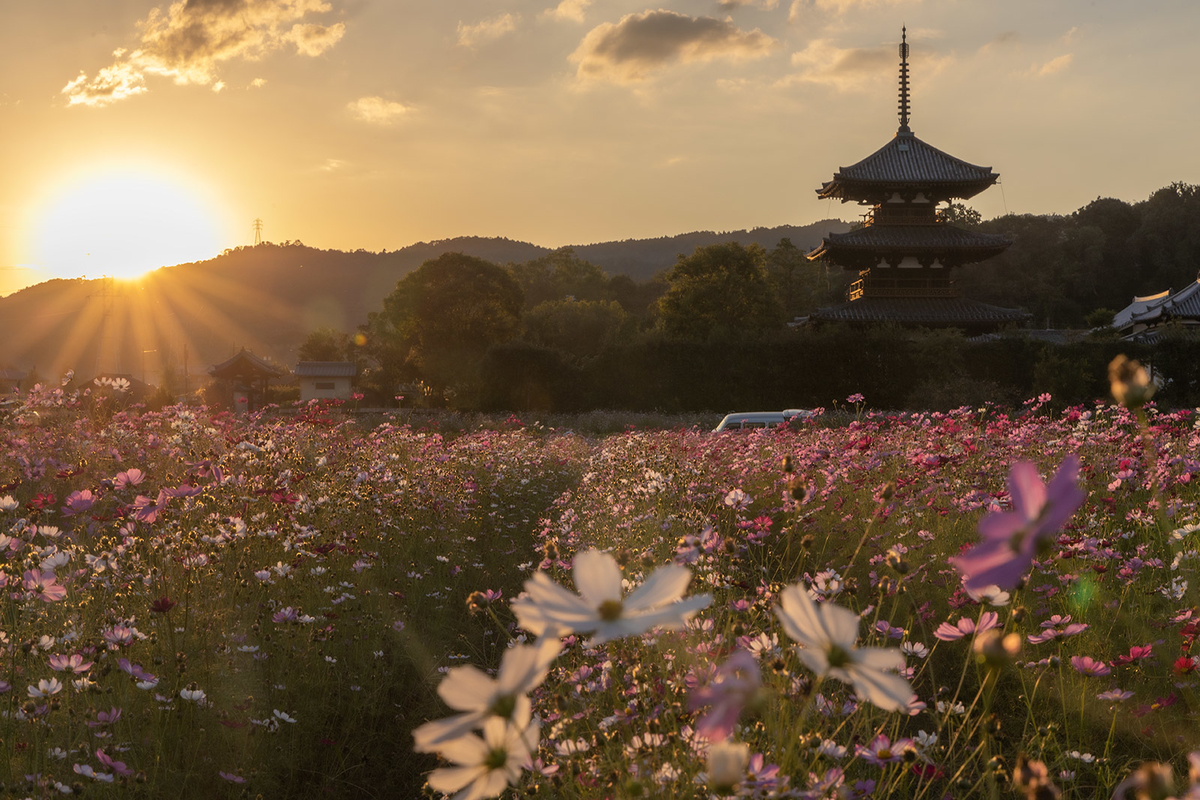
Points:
[(905, 250)]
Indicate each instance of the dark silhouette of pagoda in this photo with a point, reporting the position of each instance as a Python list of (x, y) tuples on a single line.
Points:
[(905, 250)]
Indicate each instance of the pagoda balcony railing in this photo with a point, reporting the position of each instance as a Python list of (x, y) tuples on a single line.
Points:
[(915, 291), (901, 216)]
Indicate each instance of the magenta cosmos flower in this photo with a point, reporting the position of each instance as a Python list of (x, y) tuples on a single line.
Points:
[(1011, 538)]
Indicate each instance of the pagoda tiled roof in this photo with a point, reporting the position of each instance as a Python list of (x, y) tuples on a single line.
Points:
[(907, 162), (916, 310), (912, 239)]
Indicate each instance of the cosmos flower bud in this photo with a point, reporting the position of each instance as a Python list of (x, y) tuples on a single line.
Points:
[(1131, 384), (788, 466), (996, 649), (727, 762)]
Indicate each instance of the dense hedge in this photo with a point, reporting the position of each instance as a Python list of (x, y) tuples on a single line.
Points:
[(893, 368)]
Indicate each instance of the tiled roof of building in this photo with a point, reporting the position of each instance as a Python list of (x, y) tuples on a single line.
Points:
[(906, 161), (324, 369), (1149, 310), (912, 239), (929, 311), (244, 363)]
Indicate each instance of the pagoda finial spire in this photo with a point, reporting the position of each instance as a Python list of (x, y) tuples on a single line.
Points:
[(904, 80)]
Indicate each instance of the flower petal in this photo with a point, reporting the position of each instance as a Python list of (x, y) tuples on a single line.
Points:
[(665, 585), (597, 577)]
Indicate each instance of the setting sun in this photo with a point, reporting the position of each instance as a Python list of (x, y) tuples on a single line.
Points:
[(123, 223)]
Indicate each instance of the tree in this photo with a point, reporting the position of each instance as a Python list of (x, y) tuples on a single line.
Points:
[(440, 320), (579, 328), (719, 290), (560, 275), (961, 215), (326, 344)]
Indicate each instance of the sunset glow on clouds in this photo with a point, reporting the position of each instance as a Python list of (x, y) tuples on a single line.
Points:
[(553, 122)]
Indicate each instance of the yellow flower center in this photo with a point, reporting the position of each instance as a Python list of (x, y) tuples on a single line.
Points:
[(610, 610)]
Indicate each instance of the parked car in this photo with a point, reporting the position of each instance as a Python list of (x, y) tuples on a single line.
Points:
[(743, 420)]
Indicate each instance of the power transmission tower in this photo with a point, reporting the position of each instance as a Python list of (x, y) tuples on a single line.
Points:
[(258, 226)]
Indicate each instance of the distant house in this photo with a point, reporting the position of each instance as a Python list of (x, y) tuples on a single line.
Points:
[(1144, 318), (248, 375), (10, 381), (324, 380)]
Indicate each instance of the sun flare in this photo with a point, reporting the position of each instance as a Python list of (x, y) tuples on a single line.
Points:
[(123, 223)]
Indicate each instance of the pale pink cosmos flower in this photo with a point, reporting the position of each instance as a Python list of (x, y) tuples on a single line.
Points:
[(881, 750), (73, 663), (601, 608), (735, 683), (44, 585), (118, 767), (1089, 667), (78, 502), (130, 477), (966, 626)]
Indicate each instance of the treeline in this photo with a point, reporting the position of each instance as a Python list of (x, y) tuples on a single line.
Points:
[(557, 332), (1061, 268)]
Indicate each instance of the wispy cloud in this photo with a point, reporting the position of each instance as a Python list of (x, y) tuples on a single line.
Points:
[(377, 110), (488, 30), (1053, 65), (1001, 40), (192, 38), (567, 11), (854, 68), (641, 44), (798, 7), (765, 5)]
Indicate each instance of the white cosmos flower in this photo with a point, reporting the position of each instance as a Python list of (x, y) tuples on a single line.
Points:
[(827, 635), (599, 608), (487, 765), (470, 690)]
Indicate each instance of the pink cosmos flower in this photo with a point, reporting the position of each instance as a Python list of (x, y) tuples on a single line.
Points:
[(134, 669), (78, 502), (1114, 694), (1089, 667), (882, 750), (231, 777), (130, 477), (736, 682), (73, 663), (966, 626), (105, 718), (1011, 538), (1136, 654), (44, 585), (118, 767)]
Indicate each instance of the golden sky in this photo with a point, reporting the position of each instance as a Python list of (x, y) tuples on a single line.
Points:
[(140, 134)]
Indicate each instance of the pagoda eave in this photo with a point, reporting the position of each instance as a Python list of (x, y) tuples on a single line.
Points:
[(930, 312), (874, 193)]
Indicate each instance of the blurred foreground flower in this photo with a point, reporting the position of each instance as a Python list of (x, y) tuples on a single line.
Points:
[(599, 608), (470, 690), (1011, 538), (1131, 384), (487, 765), (827, 635), (727, 762)]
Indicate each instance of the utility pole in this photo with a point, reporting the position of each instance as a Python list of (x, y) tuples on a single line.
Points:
[(258, 226)]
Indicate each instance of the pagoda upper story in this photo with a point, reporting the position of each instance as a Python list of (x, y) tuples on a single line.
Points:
[(905, 249)]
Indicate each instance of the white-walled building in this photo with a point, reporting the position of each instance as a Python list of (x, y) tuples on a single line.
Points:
[(324, 380)]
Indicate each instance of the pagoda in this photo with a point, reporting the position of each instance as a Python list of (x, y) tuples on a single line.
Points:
[(905, 250)]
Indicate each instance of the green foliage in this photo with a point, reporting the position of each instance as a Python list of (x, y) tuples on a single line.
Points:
[(559, 275), (440, 320), (326, 344), (577, 328), (961, 215), (719, 291), (520, 375)]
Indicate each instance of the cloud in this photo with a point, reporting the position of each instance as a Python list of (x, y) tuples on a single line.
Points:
[(1054, 65), (567, 10), (640, 44), (798, 7), (765, 5), (258, 83), (192, 38), (488, 30), (853, 68), (332, 165), (377, 110), (1005, 39)]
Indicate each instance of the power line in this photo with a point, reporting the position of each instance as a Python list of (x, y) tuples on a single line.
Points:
[(258, 226)]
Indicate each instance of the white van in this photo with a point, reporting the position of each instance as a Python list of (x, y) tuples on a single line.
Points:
[(744, 420)]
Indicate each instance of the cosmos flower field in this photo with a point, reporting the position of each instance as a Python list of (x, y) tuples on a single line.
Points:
[(309, 603)]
